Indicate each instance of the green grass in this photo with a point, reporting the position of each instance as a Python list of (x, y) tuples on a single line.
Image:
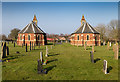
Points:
[(66, 62)]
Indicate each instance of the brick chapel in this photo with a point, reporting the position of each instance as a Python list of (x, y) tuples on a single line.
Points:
[(32, 33), (85, 34)]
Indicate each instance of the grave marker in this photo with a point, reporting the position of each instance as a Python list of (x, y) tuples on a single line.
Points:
[(14, 44), (30, 45), (26, 47), (7, 50), (46, 51), (3, 53), (91, 57), (105, 67), (34, 46), (108, 45), (92, 48), (41, 58), (116, 51)]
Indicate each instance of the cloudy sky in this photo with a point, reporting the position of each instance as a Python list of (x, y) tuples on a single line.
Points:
[(56, 17)]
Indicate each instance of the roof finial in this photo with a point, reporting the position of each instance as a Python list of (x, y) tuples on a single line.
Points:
[(83, 18), (35, 19)]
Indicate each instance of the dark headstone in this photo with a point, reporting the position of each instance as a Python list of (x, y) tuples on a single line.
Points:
[(14, 44), (7, 51), (3, 53), (26, 47), (39, 45), (30, 45), (34, 46), (2, 44), (40, 68), (91, 56)]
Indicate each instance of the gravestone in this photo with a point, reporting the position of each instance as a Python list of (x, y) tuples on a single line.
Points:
[(26, 47), (2, 44), (116, 51), (3, 53), (39, 45), (92, 48), (46, 51), (51, 46), (85, 45), (41, 57), (105, 67), (40, 68), (91, 57), (104, 43), (108, 45), (7, 50), (30, 45), (34, 46), (14, 44), (22, 45)]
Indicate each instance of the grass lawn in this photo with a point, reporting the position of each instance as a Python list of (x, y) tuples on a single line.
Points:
[(65, 62)]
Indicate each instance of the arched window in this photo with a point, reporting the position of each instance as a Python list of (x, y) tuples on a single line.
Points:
[(38, 37), (87, 37), (28, 37), (78, 37), (20, 37)]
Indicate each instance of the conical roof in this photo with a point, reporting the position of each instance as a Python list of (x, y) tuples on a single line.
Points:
[(86, 28), (31, 28)]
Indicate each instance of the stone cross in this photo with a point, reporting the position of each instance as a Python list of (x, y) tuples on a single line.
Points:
[(46, 51), (30, 45), (26, 47), (91, 57), (41, 57), (105, 67)]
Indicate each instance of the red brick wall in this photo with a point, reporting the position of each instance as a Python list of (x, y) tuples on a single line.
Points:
[(83, 39), (32, 39)]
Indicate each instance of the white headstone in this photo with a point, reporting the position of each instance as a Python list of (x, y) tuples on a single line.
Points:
[(110, 43), (41, 56), (105, 66), (46, 51)]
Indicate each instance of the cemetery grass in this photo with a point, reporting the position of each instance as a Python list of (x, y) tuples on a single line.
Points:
[(65, 62)]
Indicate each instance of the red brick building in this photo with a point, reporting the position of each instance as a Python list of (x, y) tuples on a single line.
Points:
[(85, 33), (32, 33)]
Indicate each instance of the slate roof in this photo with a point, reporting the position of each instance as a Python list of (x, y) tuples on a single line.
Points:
[(31, 28), (86, 28)]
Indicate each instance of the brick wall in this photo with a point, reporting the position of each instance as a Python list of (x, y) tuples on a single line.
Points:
[(94, 39), (24, 38)]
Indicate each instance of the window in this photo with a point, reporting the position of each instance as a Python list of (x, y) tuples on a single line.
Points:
[(38, 37), (28, 37), (78, 37), (20, 37), (87, 37)]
